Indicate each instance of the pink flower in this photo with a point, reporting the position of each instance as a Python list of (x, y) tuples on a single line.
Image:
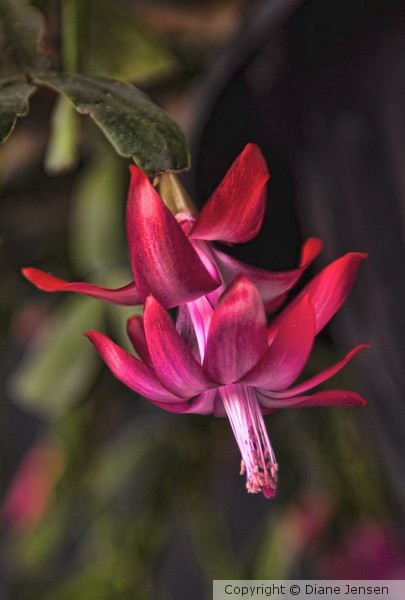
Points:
[(31, 491), (172, 257), (226, 361), (368, 550)]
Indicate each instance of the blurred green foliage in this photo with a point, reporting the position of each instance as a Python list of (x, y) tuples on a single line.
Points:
[(135, 126), (59, 367), (21, 29)]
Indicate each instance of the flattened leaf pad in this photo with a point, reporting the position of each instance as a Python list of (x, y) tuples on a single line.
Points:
[(135, 126), (14, 96)]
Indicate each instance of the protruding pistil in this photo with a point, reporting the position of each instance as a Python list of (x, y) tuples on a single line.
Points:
[(258, 460)]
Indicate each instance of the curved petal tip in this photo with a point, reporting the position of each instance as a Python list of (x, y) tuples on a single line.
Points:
[(234, 213)]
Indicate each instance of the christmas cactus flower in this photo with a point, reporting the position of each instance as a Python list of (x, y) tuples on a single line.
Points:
[(172, 255), (227, 361)]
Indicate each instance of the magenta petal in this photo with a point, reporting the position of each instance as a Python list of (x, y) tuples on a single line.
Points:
[(272, 285), (285, 358), (186, 330), (317, 379), (309, 251), (136, 333), (131, 371), (173, 361), (164, 263), (327, 290), (174, 407), (219, 408), (204, 403), (200, 312), (237, 335), (234, 212), (127, 295), (328, 398)]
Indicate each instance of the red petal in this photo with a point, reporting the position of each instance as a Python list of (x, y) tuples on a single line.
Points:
[(329, 398), (131, 371), (272, 285), (237, 335), (309, 251), (136, 333), (200, 312), (127, 295), (173, 361), (328, 290), (186, 330), (164, 263), (317, 379), (204, 404), (235, 211), (174, 407), (284, 360)]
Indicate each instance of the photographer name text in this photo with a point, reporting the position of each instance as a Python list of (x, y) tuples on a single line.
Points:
[(308, 589)]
